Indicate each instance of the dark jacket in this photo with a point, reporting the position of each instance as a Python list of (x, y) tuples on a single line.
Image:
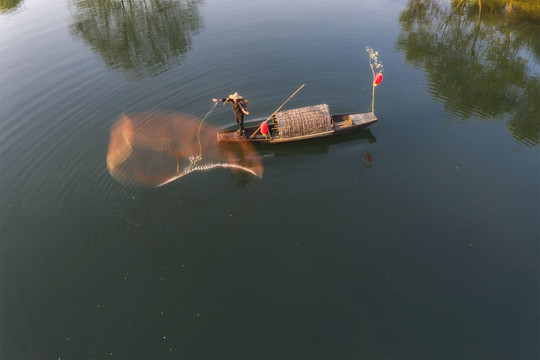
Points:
[(237, 106)]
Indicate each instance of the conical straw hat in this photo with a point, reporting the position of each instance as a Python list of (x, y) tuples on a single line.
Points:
[(235, 96)]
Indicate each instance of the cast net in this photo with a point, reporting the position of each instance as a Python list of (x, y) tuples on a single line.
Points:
[(155, 149)]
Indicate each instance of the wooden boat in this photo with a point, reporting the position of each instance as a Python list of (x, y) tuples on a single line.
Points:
[(300, 124)]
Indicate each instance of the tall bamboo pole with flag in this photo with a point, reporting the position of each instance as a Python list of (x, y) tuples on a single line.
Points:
[(376, 70)]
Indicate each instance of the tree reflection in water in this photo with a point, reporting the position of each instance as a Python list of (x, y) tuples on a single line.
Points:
[(141, 37), (9, 5), (479, 59), (154, 149)]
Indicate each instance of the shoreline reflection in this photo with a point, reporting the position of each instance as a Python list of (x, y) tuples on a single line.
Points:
[(480, 61), (7, 6), (140, 37)]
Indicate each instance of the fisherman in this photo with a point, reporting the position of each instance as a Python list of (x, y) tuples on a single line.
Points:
[(239, 107)]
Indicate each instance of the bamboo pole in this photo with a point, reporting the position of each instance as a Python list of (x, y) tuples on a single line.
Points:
[(373, 92), (279, 108)]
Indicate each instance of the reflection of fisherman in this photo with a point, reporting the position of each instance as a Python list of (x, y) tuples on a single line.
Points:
[(239, 107)]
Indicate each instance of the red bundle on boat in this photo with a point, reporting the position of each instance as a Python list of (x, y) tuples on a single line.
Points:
[(264, 128), (377, 79)]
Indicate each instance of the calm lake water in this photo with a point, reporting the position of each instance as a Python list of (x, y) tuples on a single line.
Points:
[(419, 238)]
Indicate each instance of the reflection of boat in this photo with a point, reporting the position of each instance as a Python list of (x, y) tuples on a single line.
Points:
[(300, 124)]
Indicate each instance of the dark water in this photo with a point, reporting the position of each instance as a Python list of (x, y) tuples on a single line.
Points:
[(416, 239)]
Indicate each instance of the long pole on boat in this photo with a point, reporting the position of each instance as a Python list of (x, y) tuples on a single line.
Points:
[(373, 93), (374, 63), (279, 108)]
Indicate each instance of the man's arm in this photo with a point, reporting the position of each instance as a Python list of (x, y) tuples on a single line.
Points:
[(243, 108)]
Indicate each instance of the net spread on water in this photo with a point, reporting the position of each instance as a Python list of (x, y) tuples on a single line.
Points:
[(157, 148), (304, 121)]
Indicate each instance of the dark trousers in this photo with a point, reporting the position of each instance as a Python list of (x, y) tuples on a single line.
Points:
[(240, 121)]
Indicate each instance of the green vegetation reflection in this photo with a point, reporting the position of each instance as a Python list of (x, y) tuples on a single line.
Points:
[(141, 37), (480, 58), (6, 5)]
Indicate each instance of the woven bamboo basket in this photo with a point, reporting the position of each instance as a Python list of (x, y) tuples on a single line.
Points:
[(303, 121)]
